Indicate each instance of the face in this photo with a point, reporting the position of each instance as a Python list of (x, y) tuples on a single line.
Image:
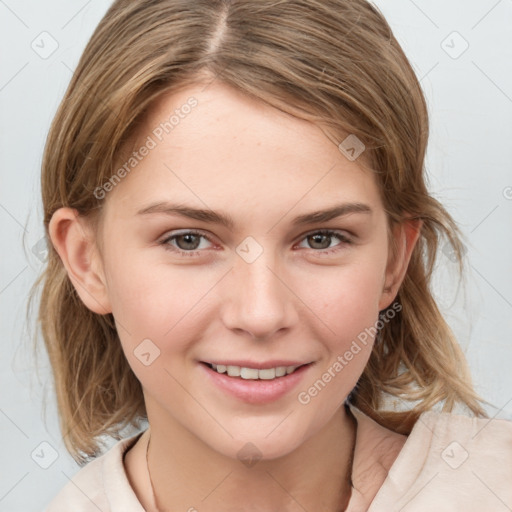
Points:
[(211, 254)]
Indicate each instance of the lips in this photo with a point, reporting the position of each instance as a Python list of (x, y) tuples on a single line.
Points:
[(257, 391)]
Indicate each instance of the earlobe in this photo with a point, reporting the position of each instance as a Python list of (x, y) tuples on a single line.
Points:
[(406, 235), (72, 238)]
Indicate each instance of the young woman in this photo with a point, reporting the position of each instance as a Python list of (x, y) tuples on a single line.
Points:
[(242, 246)]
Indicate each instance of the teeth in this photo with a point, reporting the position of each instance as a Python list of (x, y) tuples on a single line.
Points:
[(280, 371), (234, 371), (254, 373), (249, 373)]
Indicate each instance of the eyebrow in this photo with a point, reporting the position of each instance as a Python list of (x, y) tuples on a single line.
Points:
[(227, 221)]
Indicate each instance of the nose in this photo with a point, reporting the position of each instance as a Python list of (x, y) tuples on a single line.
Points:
[(259, 301)]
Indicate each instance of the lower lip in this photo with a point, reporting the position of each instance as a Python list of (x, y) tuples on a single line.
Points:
[(256, 391)]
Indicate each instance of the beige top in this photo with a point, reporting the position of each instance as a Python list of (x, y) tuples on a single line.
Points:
[(448, 463)]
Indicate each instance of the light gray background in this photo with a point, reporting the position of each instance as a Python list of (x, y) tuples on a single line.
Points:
[(470, 167)]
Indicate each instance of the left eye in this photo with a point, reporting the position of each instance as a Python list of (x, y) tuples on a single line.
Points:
[(322, 239)]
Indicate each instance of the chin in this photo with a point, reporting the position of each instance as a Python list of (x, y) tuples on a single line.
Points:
[(261, 447)]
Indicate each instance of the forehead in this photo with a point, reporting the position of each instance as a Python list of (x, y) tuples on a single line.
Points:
[(214, 146)]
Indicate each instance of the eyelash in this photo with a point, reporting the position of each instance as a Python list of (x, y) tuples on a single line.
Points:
[(330, 233)]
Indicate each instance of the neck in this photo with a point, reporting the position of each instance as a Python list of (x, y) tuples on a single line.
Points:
[(188, 475)]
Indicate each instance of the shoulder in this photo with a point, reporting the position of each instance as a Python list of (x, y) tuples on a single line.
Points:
[(454, 439), (101, 485), (451, 461)]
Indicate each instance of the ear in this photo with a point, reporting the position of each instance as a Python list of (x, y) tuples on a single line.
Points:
[(405, 236), (74, 241)]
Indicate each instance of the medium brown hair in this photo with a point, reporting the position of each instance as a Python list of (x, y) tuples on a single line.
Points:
[(332, 62)]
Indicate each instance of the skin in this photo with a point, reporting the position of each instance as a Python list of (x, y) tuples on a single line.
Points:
[(235, 155)]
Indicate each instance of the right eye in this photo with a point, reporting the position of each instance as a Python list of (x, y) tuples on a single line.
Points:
[(186, 242)]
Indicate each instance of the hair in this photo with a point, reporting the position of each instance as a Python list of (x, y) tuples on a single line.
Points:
[(335, 63)]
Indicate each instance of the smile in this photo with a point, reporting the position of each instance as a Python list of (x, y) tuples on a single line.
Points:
[(253, 373), (259, 385)]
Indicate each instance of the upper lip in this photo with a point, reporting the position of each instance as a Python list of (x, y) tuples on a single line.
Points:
[(259, 365)]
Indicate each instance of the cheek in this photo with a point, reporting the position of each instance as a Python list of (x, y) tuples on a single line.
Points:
[(155, 301), (348, 306), (346, 299), (146, 294)]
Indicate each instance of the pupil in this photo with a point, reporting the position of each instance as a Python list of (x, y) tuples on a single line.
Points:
[(316, 238), (188, 238)]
